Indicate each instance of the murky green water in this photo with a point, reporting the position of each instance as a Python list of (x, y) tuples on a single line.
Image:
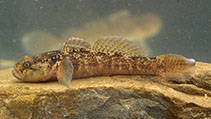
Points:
[(31, 26)]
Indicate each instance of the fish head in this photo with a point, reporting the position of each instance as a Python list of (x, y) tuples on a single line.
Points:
[(39, 68)]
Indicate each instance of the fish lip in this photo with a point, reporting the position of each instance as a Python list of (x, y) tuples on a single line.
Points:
[(17, 75)]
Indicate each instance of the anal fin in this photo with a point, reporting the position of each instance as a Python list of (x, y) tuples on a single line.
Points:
[(65, 72)]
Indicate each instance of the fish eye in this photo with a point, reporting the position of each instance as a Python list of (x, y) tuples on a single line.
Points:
[(26, 64), (53, 59)]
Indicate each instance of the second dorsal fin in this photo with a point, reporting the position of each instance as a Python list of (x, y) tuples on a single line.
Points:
[(76, 44), (117, 45)]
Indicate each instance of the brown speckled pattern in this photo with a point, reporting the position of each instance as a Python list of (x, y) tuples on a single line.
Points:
[(91, 63), (88, 64)]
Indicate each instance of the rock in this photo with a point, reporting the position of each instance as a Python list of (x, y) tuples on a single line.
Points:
[(115, 97)]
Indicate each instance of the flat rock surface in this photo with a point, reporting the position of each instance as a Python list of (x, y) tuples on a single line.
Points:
[(114, 97)]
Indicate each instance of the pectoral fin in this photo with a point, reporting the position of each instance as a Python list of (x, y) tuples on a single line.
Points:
[(65, 72)]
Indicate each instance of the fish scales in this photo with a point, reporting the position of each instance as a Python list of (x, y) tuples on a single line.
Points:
[(88, 64)]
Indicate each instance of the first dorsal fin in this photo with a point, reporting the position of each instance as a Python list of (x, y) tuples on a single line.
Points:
[(76, 44), (117, 45)]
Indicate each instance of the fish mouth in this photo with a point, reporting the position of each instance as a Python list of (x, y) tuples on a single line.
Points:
[(17, 75)]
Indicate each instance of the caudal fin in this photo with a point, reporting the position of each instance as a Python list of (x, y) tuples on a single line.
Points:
[(177, 67)]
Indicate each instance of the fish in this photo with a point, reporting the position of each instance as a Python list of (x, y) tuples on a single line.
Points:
[(109, 55)]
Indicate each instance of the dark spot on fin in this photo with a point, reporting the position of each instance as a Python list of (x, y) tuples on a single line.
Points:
[(65, 72), (113, 45), (76, 44)]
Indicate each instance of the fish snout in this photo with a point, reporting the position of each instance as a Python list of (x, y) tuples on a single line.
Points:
[(17, 75)]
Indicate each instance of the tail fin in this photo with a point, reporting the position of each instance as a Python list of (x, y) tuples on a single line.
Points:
[(177, 67)]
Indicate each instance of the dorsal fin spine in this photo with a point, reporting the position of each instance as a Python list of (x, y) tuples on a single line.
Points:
[(76, 44)]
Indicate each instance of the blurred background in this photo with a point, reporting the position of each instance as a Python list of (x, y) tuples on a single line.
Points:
[(28, 27)]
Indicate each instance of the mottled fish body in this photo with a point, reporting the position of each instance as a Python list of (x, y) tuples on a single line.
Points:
[(108, 56)]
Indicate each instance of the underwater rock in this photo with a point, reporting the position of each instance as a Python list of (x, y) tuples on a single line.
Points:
[(116, 97)]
